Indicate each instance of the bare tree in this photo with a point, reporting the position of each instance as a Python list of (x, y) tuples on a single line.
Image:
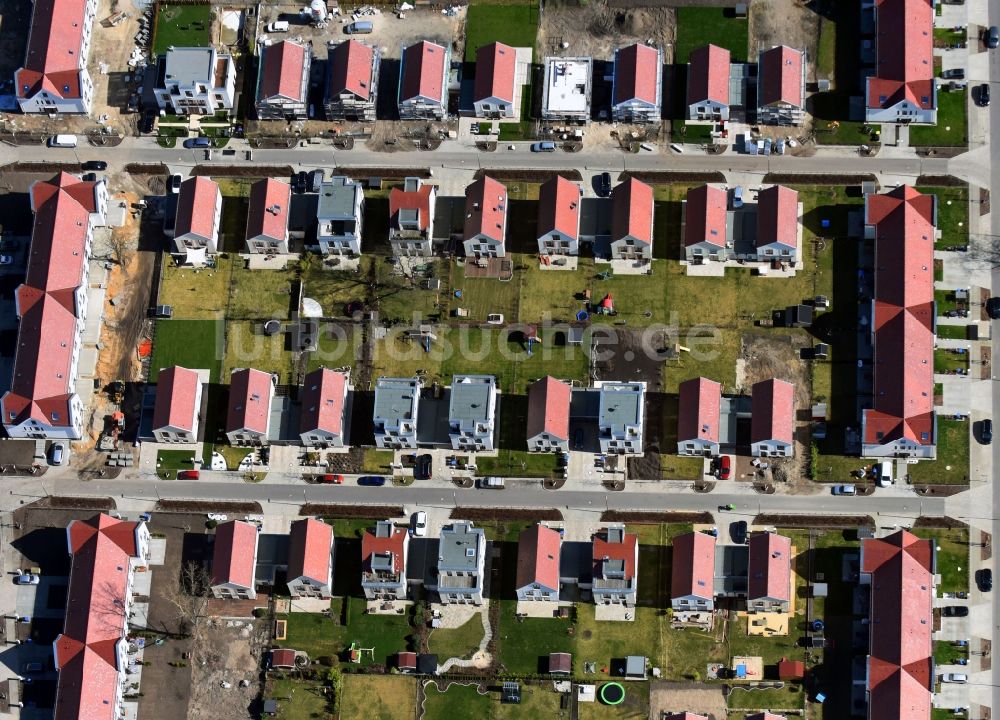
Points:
[(120, 249), (189, 595)]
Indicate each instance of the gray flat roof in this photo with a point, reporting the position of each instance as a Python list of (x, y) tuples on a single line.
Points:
[(336, 197), (190, 64), (394, 398), (458, 548), (620, 404), (470, 397)]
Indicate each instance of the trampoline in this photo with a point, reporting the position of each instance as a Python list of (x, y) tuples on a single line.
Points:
[(612, 693), (582, 315)]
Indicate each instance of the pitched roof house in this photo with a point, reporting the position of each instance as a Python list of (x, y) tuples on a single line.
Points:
[(283, 82), (559, 217), (705, 225), (423, 82), (54, 77), (352, 82), (772, 427), (548, 415), (781, 86), (199, 213), (234, 560), (615, 568), (178, 401), (632, 221), (538, 564), (769, 573), (778, 229), (324, 408), (267, 219), (637, 84), (310, 559), (708, 84), (383, 561), (901, 421), (903, 88), (493, 92), (248, 420), (698, 417), (485, 229), (693, 573), (411, 218)]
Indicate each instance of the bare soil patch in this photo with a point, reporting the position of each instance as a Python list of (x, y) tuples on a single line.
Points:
[(655, 518), (75, 503), (817, 521), (948, 523), (698, 698), (194, 506), (502, 514), (226, 670), (598, 30)]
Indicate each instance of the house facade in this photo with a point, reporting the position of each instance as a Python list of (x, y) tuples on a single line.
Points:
[(248, 420), (705, 226), (352, 82), (310, 559), (778, 228), (769, 573), (493, 93), (196, 81), (339, 217), (637, 85), (395, 416), (708, 84), (632, 221), (411, 218), (548, 415), (461, 565), (781, 86), (199, 215), (699, 417), (772, 428), (692, 586), (472, 412), (383, 561), (615, 571), (903, 88), (538, 550), (485, 229), (283, 82), (423, 82), (621, 417), (267, 219), (234, 561), (54, 77), (559, 217), (323, 422), (178, 403)]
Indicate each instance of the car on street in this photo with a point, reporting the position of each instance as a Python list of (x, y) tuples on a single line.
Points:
[(602, 185), (993, 307), (424, 468), (492, 483), (984, 580), (955, 678), (954, 74), (94, 165), (982, 95), (27, 579), (494, 319), (58, 454), (331, 479), (198, 142), (371, 480), (175, 183), (955, 611), (725, 467), (738, 532), (992, 37), (543, 146), (986, 432), (218, 517), (188, 475), (844, 490), (420, 523)]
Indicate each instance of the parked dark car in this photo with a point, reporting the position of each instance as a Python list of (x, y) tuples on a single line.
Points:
[(148, 124), (371, 480), (992, 37), (94, 165), (424, 468), (993, 307), (602, 184), (300, 182), (986, 431), (984, 580), (983, 95), (955, 611), (738, 532), (198, 142), (954, 74)]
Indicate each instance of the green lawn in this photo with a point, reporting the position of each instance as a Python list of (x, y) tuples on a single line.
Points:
[(952, 464), (524, 644), (298, 698), (168, 462), (713, 354), (697, 26), (946, 653), (602, 641), (483, 296), (952, 214), (826, 51), (182, 26), (634, 707), (515, 24), (685, 132), (458, 642), (194, 344), (952, 556), (261, 294), (196, 293), (378, 697), (336, 346), (947, 361), (458, 701), (950, 129), (946, 301), (538, 702), (952, 332), (333, 288), (846, 132), (248, 346)]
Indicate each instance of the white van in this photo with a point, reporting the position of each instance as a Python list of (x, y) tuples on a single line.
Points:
[(493, 483), (883, 470), (277, 26), (360, 27), (63, 141), (955, 678)]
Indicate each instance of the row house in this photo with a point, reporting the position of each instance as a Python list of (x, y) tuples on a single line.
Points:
[(283, 82), (178, 404), (493, 90), (615, 567), (637, 85), (267, 217), (699, 417), (472, 410), (559, 217), (781, 86), (620, 417), (234, 561), (323, 422), (423, 82), (51, 306), (548, 415), (461, 565), (903, 88), (54, 77), (632, 221), (538, 549), (310, 559), (411, 218), (772, 427), (248, 418), (352, 82), (197, 221), (708, 84), (339, 217), (196, 81), (769, 573), (485, 228), (692, 573), (778, 235), (395, 415), (705, 225), (384, 551)]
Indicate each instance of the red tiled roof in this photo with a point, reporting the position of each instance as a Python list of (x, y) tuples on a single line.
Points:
[(705, 216), (284, 63), (791, 669), (268, 213), (423, 71), (53, 58), (176, 390), (777, 216), (85, 652), (249, 400), (406, 660), (57, 254), (309, 547), (637, 70), (420, 200), (233, 559), (196, 207), (780, 76), (282, 657), (693, 569), (625, 550), (903, 406), (773, 411), (548, 408), (708, 75), (538, 557), (698, 410), (371, 544), (323, 401), (904, 48), (351, 69), (769, 567), (495, 65), (632, 211), (486, 209), (559, 207)]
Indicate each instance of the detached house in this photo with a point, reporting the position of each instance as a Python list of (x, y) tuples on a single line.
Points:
[(769, 573), (383, 561), (632, 221), (772, 428), (568, 87), (615, 570), (693, 573), (54, 77), (267, 219), (548, 415), (472, 411), (196, 81), (199, 213), (778, 226), (708, 84), (781, 86), (178, 401), (493, 93), (538, 550), (395, 415), (248, 420), (461, 564), (310, 559), (423, 82), (559, 217), (699, 417), (323, 422), (637, 87), (620, 417), (352, 86), (234, 560), (411, 218), (485, 226), (903, 88), (283, 82), (705, 225), (339, 216)]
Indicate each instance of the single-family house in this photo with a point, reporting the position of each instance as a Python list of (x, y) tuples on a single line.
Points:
[(234, 560), (323, 422), (461, 564), (902, 88), (772, 425), (705, 225), (485, 228), (708, 84), (769, 573), (178, 402), (538, 550), (423, 82), (283, 81), (693, 573), (310, 559), (472, 411), (781, 86), (493, 91), (383, 561), (567, 91), (637, 84), (632, 221), (196, 81), (395, 414), (54, 77), (699, 417), (615, 567), (548, 415), (559, 217), (199, 214), (267, 218), (352, 82), (620, 417), (777, 225), (411, 218), (248, 419), (339, 216)]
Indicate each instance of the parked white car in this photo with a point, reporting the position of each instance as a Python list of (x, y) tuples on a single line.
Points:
[(420, 523)]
